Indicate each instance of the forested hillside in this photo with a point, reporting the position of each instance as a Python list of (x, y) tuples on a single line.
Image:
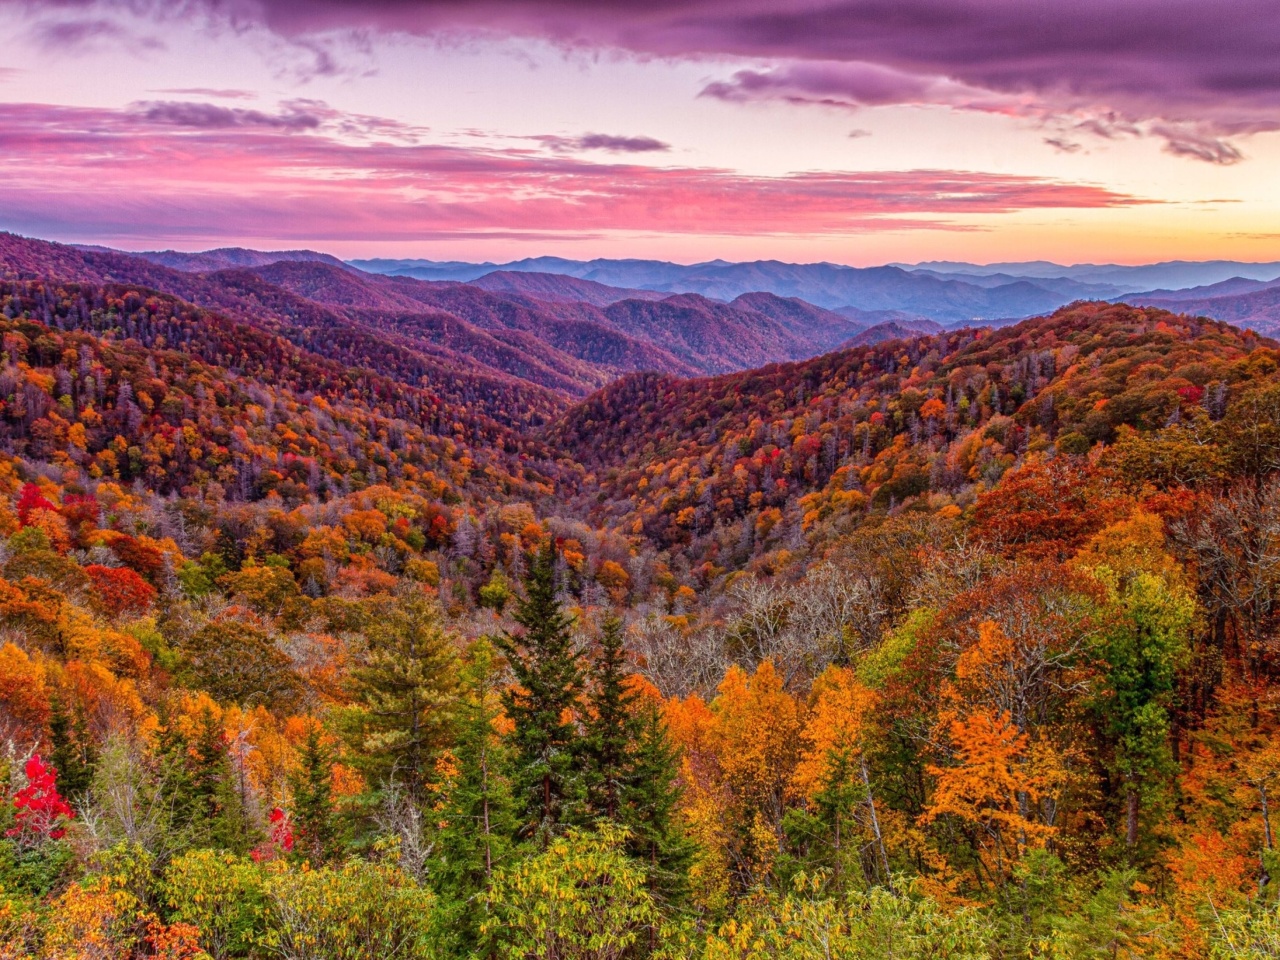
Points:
[(317, 642)]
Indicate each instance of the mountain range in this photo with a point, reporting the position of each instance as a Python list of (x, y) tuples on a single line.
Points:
[(562, 327), (511, 346), (949, 293)]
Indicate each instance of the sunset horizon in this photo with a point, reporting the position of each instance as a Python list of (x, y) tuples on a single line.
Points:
[(810, 132)]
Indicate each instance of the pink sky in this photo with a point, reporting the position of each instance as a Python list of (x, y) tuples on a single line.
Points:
[(855, 132)]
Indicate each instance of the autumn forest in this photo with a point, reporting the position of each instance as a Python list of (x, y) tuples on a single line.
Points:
[(358, 617)]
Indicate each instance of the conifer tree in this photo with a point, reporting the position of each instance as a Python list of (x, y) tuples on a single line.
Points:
[(404, 693), (632, 769), (199, 787), (649, 799), (543, 705), (72, 754), (478, 812), (312, 788), (611, 726)]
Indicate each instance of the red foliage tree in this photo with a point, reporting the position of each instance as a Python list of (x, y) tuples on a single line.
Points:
[(281, 838), (30, 500), (80, 510), (120, 590), (41, 809), (1045, 509)]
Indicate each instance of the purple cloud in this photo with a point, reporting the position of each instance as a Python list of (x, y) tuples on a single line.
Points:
[(211, 116), (1147, 63), (1191, 73), (604, 141), (70, 34), (1063, 145), (1182, 141)]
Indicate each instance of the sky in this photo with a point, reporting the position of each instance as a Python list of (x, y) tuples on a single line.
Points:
[(849, 131)]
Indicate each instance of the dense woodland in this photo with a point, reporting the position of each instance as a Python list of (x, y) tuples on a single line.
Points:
[(956, 647)]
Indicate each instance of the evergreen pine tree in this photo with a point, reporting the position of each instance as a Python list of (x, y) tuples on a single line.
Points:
[(405, 693), (72, 753), (649, 799), (478, 813), (199, 787), (542, 705), (611, 727), (632, 769), (311, 786), (224, 815)]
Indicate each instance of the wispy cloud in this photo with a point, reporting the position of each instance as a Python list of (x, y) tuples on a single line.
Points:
[(606, 142), (1063, 145), (172, 173), (212, 116), (216, 93)]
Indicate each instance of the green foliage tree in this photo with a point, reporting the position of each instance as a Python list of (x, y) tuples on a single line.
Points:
[(311, 789), (72, 754), (1141, 651), (610, 726), (238, 663), (221, 895), (477, 811), (197, 784), (543, 705), (582, 898), (1112, 922), (358, 911), (649, 809), (405, 692), (870, 925)]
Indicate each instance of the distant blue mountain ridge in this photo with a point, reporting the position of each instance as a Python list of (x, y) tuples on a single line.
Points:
[(948, 293)]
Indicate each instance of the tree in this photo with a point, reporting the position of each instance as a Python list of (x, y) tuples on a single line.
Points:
[(1141, 647), (197, 782), (991, 789), (40, 811), (120, 590), (219, 894), (649, 808), (543, 705), (72, 754), (756, 738), (1142, 650), (476, 810), (311, 787), (872, 925), (405, 691), (834, 774), (582, 898), (359, 911), (237, 663), (610, 728)]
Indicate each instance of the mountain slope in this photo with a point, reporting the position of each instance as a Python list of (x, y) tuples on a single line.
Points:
[(884, 423), (228, 258), (557, 288), (1258, 310), (245, 297), (893, 330), (1227, 288), (179, 397)]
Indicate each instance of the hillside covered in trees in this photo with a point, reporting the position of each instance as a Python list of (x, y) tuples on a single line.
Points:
[(316, 642)]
